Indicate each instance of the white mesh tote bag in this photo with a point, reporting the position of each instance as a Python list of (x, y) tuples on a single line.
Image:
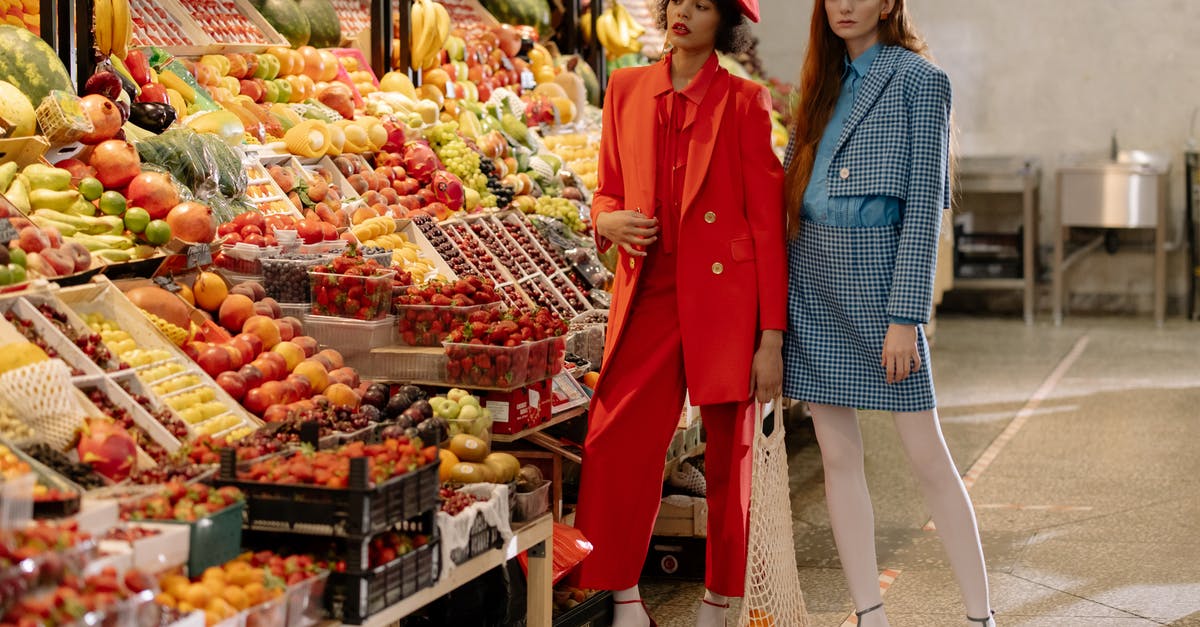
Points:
[(772, 597)]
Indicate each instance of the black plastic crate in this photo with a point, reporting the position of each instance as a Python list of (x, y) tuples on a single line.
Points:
[(594, 612), (354, 511), (355, 597), (484, 537)]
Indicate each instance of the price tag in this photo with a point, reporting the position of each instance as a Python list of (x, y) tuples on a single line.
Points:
[(527, 80), (167, 284), (199, 255), (7, 232)]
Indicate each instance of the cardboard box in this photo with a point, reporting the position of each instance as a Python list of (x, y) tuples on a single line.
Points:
[(682, 516), (512, 411), (541, 400)]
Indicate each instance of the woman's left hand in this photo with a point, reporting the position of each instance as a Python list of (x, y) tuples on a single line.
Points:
[(900, 356), (766, 374)]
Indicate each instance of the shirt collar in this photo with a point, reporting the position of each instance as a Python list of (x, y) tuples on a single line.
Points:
[(862, 64), (695, 90)]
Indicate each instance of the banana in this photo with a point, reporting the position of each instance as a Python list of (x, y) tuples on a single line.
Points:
[(443, 24), (417, 34), (122, 25), (102, 26), (606, 32), (109, 254)]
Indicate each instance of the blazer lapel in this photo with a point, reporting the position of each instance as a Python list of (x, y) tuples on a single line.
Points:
[(877, 78), (704, 136), (642, 131)]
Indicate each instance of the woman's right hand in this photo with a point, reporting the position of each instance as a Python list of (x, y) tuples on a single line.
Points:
[(628, 229)]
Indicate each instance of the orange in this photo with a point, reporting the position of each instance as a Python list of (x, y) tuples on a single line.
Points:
[(236, 597), (214, 572), (197, 595), (185, 608), (211, 619), (165, 599), (221, 607), (214, 586), (255, 593), (209, 291)]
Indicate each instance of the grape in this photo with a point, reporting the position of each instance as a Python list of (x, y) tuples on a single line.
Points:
[(561, 209)]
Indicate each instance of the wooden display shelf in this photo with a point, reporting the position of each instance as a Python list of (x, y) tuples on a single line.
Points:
[(531, 535), (570, 414)]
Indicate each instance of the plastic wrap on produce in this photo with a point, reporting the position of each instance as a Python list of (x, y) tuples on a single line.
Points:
[(203, 162)]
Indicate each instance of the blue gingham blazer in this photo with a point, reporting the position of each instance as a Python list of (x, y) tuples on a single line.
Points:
[(896, 142)]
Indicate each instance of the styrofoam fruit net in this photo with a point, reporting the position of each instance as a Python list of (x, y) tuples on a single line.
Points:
[(43, 396)]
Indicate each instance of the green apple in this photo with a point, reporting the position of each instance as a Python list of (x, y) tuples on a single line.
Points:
[(468, 412), (456, 394), (469, 400), (16, 257)]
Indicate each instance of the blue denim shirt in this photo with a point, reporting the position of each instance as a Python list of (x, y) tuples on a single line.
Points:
[(847, 211)]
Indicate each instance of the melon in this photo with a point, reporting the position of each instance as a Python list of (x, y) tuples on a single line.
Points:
[(325, 29), (286, 17), (16, 112), (31, 65)]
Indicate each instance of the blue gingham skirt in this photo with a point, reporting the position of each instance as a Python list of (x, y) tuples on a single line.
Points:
[(839, 279)]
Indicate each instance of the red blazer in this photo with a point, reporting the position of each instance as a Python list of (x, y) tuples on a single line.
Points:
[(732, 274)]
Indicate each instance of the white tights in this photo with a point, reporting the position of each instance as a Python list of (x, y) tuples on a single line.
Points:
[(853, 519)]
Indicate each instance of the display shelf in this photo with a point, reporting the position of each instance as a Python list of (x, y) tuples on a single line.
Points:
[(568, 415), (536, 533)]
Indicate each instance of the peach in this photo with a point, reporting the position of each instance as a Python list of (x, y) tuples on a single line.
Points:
[(346, 375), (297, 327), (309, 344), (215, 360), (277, 413), (302, 386), (334, 357), (244, 348), (264, 328), (292, 354), (286, 332), (236, 357), (275, 364), (235, 310), (341, 395), (315, 372), (263, 309), (275, 392)]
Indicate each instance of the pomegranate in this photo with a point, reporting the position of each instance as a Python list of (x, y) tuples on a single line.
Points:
[(420, 161), (106, 118), (448, 189), (107, 447), (78, 169), (154, 192), (192, 222), (116, 163)]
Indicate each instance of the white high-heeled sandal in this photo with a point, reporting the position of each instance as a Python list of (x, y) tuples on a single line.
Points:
[(990, 621)]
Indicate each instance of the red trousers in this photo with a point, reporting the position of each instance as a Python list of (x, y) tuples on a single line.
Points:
[(634, 414)]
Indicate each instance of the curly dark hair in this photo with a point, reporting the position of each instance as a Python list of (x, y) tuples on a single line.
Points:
[(733, 35)]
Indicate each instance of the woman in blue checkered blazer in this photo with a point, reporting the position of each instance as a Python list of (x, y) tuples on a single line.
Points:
[(868, 179)]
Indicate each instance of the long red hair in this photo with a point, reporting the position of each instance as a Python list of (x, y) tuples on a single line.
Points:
[(820, 85)]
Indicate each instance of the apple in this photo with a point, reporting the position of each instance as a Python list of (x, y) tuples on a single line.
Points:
[(233, 383)]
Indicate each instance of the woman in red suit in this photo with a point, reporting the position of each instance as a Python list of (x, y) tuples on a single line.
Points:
[(691, 193)]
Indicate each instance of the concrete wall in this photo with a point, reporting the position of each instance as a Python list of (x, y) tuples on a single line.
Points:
[(1052, 77)]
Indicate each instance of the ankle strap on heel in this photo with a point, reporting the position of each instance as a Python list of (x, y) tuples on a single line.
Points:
[(984, 621), (868, 610), (631, 602), (723, 606)]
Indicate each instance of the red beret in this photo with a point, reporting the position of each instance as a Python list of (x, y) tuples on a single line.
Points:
[(750, 9)]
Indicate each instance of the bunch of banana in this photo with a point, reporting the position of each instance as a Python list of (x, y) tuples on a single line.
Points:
[(113, 27), (430, 29), (618, 32)]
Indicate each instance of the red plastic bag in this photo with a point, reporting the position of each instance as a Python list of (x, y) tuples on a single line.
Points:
[(570, 547)]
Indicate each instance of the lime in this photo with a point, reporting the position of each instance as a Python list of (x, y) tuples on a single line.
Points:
[(16, 257), (91, 188), (136, 219), (5, 276), (112, 203), (158, 232), (17, 273)]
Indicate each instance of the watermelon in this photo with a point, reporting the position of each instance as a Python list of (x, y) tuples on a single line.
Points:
[(535, 13), (31, 65), (323, 24), (286, 17)]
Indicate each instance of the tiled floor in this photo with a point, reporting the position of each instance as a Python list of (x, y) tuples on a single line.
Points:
[(1090, 510)]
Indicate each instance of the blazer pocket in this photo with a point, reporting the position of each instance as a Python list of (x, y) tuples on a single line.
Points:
[(742, 249)]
